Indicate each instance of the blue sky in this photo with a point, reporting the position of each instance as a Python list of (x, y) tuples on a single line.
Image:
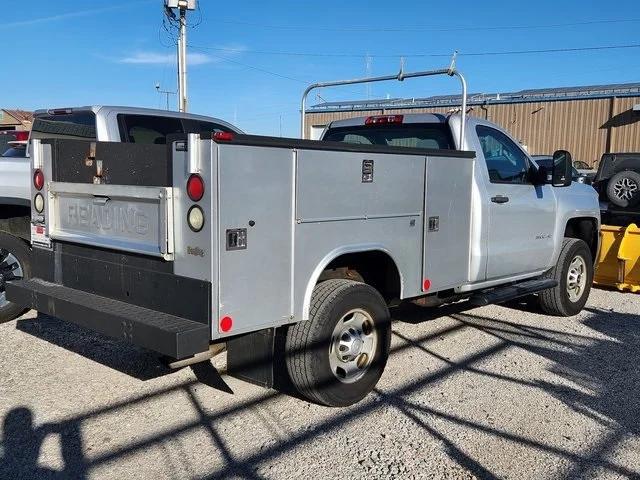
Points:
[(250, 59)]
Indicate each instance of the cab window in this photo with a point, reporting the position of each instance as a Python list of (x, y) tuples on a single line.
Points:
[(148, 129), (414, 135), (506, 162), (65, 124), (201, 126)]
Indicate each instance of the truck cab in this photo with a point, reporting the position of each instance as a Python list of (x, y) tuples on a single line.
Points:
[(516, 219)]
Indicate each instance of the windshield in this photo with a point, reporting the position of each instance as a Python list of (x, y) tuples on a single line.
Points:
[(547, 162), (414, 135), (16, 152), (79, 125), (582, 165), (5, 138)]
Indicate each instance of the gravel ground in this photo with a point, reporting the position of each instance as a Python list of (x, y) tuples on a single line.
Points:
[(490, 392)]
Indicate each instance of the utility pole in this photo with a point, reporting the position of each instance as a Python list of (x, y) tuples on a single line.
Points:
[(182, 6), (182, 61)]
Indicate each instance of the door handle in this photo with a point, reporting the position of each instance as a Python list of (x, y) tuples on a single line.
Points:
[(100, 200), (499, 199)]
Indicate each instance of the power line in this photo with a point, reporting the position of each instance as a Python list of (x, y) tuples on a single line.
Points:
[(252, 67), (552, 50), (423, 28), (416, 55), (263, 70)]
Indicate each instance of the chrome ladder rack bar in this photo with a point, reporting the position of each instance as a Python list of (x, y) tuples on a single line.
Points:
[(451, 71)]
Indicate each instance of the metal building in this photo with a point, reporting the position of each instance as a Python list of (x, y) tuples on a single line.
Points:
[(587, 121)]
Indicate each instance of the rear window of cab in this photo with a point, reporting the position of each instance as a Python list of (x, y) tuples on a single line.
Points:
[(415, 135)]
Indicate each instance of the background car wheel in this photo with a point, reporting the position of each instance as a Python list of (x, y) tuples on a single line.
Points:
[(338, 355), (14, 264), (574, 273), (623, 189)]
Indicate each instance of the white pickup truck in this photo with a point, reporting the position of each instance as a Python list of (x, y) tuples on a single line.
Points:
[(102, 123), (294, 249)]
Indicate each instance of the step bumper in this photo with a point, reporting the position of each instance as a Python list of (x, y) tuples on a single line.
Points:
[(167, 334)]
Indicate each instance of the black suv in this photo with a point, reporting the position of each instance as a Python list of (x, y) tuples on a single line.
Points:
[(618, 183)]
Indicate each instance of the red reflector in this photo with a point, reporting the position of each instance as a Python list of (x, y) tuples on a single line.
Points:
[(426, 285), (223, 136), (195, 187), (226, 324), (38, 179), (39, 230), (381, 119), (21, 136)]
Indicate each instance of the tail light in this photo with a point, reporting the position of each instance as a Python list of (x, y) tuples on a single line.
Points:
[(21, 136), (38, 203), (60, 111), (383, 119), (223, 136), (38, 179), (195, 218), (195, 187)]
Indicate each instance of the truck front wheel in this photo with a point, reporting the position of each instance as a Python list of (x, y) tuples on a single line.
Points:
[(574, 273), (338, 355)]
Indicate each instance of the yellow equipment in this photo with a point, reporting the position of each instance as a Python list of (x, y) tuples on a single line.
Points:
[(619, 262)]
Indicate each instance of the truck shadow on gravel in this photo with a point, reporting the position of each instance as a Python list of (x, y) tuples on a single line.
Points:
[(114, 354), (597, 377), (605, 372)]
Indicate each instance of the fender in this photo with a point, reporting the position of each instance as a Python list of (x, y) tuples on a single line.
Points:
[(576, 201), (563, 220), (332, 255)]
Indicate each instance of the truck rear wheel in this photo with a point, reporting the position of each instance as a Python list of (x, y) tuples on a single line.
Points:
[(338, 355), (14, 264), (574, 273)]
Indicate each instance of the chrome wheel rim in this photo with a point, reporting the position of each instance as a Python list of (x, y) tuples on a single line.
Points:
[(353, 345), (10, 269), (576, 278), (625, 188)]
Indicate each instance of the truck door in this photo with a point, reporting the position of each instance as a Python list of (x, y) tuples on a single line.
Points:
[(521, 215)]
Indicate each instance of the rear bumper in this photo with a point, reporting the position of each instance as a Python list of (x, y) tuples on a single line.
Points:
[(168, 334)]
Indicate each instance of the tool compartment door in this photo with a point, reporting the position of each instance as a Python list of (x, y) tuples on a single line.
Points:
[(447, 224), (255, 229)]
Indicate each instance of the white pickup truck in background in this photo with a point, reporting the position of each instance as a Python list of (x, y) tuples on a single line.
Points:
[(94, 123)]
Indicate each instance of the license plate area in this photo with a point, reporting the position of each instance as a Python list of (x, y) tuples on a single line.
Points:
[(119, 217)]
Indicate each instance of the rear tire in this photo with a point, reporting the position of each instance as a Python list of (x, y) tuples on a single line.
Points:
[(574, 274), (623, 189), (14, 263), (338, 355)]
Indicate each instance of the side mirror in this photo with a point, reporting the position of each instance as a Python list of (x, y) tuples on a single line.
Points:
[(540, 175), (561, 171)]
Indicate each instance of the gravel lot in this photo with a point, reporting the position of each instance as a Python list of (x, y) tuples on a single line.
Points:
[(490, 392)]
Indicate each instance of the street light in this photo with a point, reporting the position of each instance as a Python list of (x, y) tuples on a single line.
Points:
[(164, 92)]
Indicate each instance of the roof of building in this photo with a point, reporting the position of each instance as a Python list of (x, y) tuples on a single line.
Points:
[(522, 96), (20, 115)]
